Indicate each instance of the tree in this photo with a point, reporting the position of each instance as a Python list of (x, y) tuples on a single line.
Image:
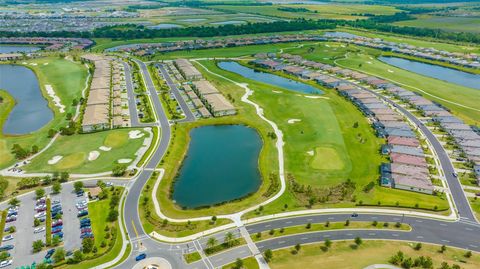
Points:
[(78, 186), (14, 202), (214, 219), (238, 263), (309, 225), (119, 170), (64, 176), (87, 245), (298, 247), (42, 266), (39, 193), (229, 238), (328, 243), (468, 254), (51, 133), (77, 256), (407, 263), (57, 187), (212, 241), (418, 246), (268, 255), (115, 200), (36, 222), (37, 246), (444, 266), (59, 255), (347, 222), (443, 248), (358, 241), (112, 215)]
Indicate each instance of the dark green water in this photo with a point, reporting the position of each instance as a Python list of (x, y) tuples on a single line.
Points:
[(221, 165)]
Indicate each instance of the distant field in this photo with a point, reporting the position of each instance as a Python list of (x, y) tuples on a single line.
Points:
[(460, 24)]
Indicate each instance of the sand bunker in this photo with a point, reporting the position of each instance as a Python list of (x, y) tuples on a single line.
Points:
[(316, 97), (45, 64), (55, 159), (291, 121), (135, 134), (311, 152), (34, 64), (93, 155), (277, 91), (124, 161), (55, 98), (369, 62), (104, 148), (390, 71)]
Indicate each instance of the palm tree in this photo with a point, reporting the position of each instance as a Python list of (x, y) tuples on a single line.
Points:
[(228, 238), (212, 241)]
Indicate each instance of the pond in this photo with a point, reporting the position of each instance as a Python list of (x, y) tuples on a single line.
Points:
[(268, 78), (31, 111), (228, 22), (435, 71), (17, 49), (165, 26), (221, 165)]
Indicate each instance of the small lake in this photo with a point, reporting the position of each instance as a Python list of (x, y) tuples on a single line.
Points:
[(17, 49), (435, 71), (268, 78), (165, 26), (227, 22), (221, 165), (31, 111)]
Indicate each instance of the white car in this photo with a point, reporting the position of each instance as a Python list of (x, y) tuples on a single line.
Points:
[(38, 230), (6, 263), (7, 238), (41, 214)]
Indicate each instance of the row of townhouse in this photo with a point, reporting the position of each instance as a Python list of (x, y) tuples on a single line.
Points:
[(205, 97), (470, 60), (466, 138), (106, 105), (151, 48), (403, 145), (52, 43)]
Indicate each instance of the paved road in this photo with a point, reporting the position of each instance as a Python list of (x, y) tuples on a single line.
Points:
[(132, 104), (186, 110)]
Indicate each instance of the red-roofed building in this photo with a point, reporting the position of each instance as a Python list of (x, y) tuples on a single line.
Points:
[(408, 159), (404, 141)]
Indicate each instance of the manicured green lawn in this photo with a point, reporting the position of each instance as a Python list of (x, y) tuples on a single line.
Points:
[(5, 107), (248, 263), (475, 203), (343, 255), (68, 80), (75, 151)]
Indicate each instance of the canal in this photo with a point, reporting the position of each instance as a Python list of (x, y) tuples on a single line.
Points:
[(31, 111), (221, 165), (435, 71), (268, 78)]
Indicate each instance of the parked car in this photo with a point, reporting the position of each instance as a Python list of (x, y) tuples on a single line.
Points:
[(13, 208), (13, 213), (38, 230), (42, 219), (85, 220), (59, 234), (57, 223), (49, 253), (86, 230), (40, 206), (11, 218), (57, 229), (80, 193), (7, 247), (7, 229), (140, 257), (55, 202), (354, 215), (84, 225), (41, 214), (54, 214), (7, 238), (86, 235), (82, 213), (6, 263)]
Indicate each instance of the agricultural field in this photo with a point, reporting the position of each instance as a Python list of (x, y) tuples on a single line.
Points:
[(89, 153), (68, 79), (455, 24)]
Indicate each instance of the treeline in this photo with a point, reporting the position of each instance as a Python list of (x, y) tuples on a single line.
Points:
[(138, 31), (294, 9)]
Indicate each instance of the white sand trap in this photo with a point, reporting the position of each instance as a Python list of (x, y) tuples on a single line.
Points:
[(369, 62), (34, 64), (316, 97), (311, 152), (292, 121), (24, 63), (390, 71), (93, 155), (124, 161), (55, 159), (276, 91), (326, 45), (370, 57), (55, 98), (135, 134), (45, 64), (103, 148)]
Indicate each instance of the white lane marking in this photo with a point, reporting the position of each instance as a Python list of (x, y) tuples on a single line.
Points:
[(326, 235), (330, 218), (469, 229), (419, 220), (443, 224), (446, 241), (309, 219), (394, 234), (371, 234), (266, 226), (281, 242), (473, 246), (304, 238), (288, 222), (419, 236)]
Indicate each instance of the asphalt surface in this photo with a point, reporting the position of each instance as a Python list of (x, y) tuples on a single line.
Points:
[(132, 104), (176, 92), (464, 233)]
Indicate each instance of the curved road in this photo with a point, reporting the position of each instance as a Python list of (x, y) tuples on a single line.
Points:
[(464, 233)]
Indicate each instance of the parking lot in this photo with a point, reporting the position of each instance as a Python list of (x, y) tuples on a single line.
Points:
[(24, 236)]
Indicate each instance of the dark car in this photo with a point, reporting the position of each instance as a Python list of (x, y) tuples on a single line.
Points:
[(354, 215), (86, 230), (82, 213), (140, 257), (86, 235), (59, 234), (7, 247), (49, 253), (84, 225), (57, 229), (85, 220)]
